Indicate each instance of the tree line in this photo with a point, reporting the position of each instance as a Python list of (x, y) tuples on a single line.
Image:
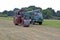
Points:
[(48, 13)]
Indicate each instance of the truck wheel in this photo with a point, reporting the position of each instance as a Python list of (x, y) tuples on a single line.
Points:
[(40, 23)]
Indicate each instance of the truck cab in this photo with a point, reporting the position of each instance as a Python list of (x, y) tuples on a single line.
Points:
[(35, 16), (38, 17)]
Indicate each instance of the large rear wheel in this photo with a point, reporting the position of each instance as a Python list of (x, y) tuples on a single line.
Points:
[(40, 23), (15, 21)]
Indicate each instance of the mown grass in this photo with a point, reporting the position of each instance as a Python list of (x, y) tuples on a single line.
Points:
[(52, 23), (46, 23), (6, 18)]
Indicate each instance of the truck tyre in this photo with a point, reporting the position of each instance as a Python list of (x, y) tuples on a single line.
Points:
[(40, 23)]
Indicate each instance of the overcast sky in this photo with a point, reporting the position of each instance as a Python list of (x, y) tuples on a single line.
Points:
[(11, 4)]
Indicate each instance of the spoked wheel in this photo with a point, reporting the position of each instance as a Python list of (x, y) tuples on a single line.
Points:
[(40, 23)]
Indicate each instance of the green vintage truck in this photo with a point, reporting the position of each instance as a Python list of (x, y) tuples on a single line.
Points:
[(35, 15)]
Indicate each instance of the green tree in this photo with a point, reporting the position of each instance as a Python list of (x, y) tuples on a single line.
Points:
[(49, 13)]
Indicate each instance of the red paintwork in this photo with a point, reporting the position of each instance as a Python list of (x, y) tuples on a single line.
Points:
[(19, 20)]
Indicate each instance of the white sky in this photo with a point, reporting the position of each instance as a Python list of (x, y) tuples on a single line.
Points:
[(11, 4)]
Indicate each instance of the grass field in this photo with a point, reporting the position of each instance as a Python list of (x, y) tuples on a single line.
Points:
[(9, 31), (6, 18), (46, 23), (52, 23)]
